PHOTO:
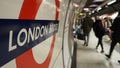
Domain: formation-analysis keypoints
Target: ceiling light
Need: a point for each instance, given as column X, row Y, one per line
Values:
column 99, row 8
column 98, row 0
column 94, row 5
column 75, row 5
column 86, row 9
column 111, row 2
column 93, row 11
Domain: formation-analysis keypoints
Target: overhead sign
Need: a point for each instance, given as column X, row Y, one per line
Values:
column 18, row 36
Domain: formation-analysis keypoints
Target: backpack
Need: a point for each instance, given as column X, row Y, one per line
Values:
column 98, row 29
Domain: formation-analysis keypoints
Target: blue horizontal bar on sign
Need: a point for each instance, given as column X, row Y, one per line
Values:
column 18, row 36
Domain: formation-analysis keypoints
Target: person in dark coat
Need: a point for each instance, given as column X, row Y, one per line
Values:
column 99, row 33
column 115, row 34
column 86, row 26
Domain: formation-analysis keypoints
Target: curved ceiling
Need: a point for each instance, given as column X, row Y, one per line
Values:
column 108, row 9
column 98, row 7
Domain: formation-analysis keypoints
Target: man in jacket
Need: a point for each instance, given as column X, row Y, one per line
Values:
column 87, row 25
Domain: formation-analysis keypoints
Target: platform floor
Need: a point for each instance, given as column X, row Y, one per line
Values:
column 89, row 57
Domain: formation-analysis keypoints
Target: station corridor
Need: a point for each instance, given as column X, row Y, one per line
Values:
column 90, row 57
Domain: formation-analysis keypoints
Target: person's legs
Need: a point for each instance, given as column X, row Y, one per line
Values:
column 113, row 43
column 84, row 40
column 87, row 39
column 98, row 43
column 102, row 49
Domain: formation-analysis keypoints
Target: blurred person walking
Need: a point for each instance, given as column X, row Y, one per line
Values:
column 86, row 26
column 115, row 35
column 99, row 31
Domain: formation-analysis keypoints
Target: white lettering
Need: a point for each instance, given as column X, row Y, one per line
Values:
column 26, row 36
column 11, row 47
column 21, row 43
column 42, row 31
column 37, row 31
column 31, row 34
column 46, row 30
